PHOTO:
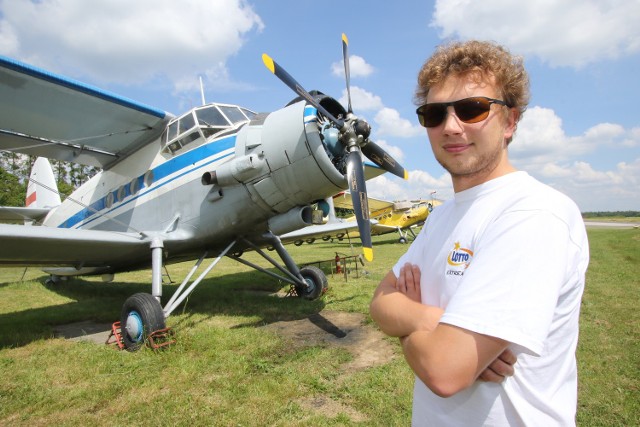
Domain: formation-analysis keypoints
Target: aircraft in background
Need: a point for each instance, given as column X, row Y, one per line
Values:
column 212, row 182
column 389, row 217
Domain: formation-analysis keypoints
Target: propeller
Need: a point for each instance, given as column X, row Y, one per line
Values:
column 347, row 74
column 354, row 137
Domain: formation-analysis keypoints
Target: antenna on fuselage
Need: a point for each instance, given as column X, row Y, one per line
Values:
column 202, row 90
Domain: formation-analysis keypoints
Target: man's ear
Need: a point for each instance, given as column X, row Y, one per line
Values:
column 511, row 123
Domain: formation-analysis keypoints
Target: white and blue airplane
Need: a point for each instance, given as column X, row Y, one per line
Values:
column 212, row 182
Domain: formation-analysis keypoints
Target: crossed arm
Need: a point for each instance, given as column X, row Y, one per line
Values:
column 446, row 358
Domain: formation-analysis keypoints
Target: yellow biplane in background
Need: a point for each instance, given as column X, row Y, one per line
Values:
column 389, row 217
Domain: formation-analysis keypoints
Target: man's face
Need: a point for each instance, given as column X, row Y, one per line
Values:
column 472, row 153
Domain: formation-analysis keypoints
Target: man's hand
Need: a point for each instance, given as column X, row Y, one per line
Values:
column 500, row 368
column 408, row 282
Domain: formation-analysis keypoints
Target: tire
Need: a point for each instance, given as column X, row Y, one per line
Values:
column 402, row 240
column 141, row 315
column 316, row 280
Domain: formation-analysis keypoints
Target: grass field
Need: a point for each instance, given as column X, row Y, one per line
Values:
column 231, row 365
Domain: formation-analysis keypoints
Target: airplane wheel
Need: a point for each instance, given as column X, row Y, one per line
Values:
column 141, row 315
column 52, row 280
column 402, row 240
column 316, row 280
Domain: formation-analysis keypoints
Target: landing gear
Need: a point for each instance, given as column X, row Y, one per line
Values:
column 141, row 315
column 402, row 240
column 316, row 283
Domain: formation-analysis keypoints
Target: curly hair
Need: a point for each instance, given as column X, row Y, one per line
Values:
column 486, row 58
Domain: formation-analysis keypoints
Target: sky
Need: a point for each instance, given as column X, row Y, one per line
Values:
column 580, row 133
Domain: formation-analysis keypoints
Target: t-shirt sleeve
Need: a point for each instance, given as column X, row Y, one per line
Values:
column 511, row 288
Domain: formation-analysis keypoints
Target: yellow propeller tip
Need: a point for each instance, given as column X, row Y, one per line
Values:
column 344, row 38
column 406, row 174
column 368, row 253
column 268, row 62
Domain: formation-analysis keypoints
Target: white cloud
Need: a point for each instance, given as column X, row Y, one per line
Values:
column 127, row 42
column 562, row 33
column 361, row 100
column 394, row 151
column 390, row 123
column 597, row 190
column 540, row 139
column 358, row 67
column 420, row 185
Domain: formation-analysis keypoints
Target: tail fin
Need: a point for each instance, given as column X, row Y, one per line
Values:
column 42, row 190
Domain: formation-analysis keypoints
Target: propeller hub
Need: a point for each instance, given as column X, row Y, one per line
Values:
column 362, row 128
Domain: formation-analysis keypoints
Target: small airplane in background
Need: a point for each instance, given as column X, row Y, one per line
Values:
column 212, row 182
column 388, row 217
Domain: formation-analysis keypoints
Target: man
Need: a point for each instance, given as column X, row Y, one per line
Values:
column 496, row 274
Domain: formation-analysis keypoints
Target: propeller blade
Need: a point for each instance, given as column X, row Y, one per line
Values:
column 357, row 187
column 377, row 155
column 295, row 86
column 347, row 74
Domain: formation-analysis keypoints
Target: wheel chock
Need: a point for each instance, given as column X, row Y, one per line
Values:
column 161, row 338
column 155, row 340
column 115, row 337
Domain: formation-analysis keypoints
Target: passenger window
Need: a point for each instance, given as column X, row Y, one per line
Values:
column 122, row 193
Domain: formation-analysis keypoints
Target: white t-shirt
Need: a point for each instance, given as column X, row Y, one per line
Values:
column 507, row 259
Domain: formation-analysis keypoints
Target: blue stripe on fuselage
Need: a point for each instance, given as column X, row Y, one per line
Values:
column 179, row 164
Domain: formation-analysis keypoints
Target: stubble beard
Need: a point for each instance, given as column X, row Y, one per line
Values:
column 474, row 167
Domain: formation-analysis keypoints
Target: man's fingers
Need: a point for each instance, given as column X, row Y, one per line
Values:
column 401, row 285
column 502, row 368
column 489, row 376
column 508, row 357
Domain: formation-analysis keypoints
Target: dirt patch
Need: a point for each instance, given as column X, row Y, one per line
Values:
column 367, row 345
column 348, row 330
column 331, row 409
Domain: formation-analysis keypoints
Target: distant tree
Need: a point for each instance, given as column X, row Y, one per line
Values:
column 623, row 214
column 12, row 191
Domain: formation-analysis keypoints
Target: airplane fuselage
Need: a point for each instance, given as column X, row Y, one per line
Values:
column 256, row 175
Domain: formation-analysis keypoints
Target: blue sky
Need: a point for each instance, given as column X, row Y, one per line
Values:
column 580, row 134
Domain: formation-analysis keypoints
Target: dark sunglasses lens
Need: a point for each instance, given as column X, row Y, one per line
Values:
column 431, row 115
column 472, row 110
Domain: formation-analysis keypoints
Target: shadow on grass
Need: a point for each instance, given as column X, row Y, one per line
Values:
column 237, row 294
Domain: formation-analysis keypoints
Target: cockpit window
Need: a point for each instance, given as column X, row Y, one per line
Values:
column 186, row 123
column 233, row 113
column 210, row 116
column 199, row 125
column 173, row 130
column 249, row 114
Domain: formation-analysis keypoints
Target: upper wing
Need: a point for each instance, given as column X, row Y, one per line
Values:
column 43, row 114
column 343, row 200
column 32, row 245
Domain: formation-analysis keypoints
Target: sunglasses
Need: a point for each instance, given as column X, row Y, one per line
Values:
column 469, row 110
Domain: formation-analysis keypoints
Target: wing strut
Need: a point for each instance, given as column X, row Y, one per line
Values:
column 179, row 295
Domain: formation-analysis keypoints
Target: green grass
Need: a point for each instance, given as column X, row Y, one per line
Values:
column 609, row 346
column 225, row 369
